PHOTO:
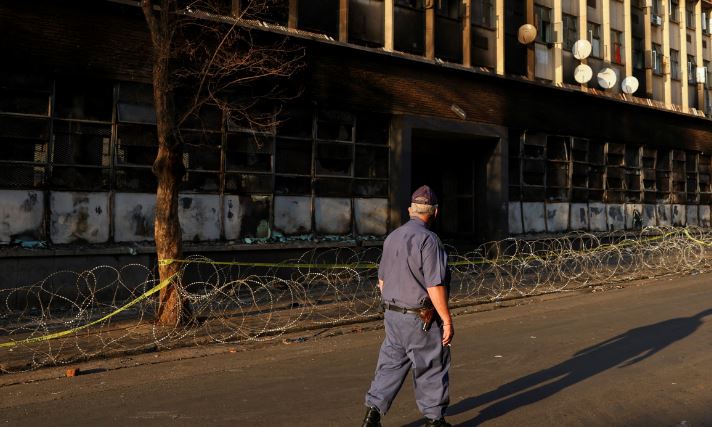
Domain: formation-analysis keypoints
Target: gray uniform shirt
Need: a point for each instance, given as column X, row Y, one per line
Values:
column 413, row 260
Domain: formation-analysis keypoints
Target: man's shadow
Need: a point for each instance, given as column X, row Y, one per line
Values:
column 623, row 350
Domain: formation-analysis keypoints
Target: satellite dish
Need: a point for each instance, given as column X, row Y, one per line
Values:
column 583, row 74
column 607, row 78
column 629, row 85
column 581, row 49
column 527, row 34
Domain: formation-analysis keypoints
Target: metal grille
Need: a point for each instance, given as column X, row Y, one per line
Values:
column 77, row 143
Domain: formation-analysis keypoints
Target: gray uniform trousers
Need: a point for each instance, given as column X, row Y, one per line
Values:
column 407, row 345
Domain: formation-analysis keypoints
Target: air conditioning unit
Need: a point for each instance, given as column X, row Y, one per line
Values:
column 701, row 74
column 656, row 20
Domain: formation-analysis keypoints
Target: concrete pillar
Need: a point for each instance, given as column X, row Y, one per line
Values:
column 531, row 58
column 685, row 99
column 667, row 65
column 467, row 33
column 430, row 29
column 344, row 21
column 500, row 36
column 583, row 26
column 698, row 53
column 293, row 12
column 627, row 38
column 606, row 28
column 558, row 45
column 648, row 46
column 388, row 27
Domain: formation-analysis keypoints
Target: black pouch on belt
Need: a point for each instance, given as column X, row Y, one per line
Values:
column 427, row 314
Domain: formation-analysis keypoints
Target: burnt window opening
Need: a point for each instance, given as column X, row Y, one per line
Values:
column 533, row 159
column 678, row 181
column 372, row 129
column 692, row 186
column 24, row 94
column 292, row 185
column 558, row 150
column 81, row 156
column 515, row 178
column 293, row 156
column 84, row 99
column 135, row 104
column 366, row 22
column 409, row 22
column 633, row 174
column 448, row 30
column 615, row 173
column 319, row 16
column 197, row 181
column 78, row 143
column 295, row 123
column 663, row 171
column 136, row 145
column 246, row 183
column 371, row 162
column 334, row 159
column 249, row 152
column 136, row 179
column 370, row 188
column 201, row 150
column 255, row 215
column 335, row 126
column 703, row 176
column 333, row 187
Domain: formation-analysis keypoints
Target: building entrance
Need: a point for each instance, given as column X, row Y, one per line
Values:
column 455, row 166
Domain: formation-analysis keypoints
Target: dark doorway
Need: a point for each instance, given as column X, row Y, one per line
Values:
column 455, row 166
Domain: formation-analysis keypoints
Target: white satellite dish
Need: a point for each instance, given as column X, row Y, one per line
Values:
column 581, row 49
column 583, row 73
column 629, row 85
column 607, row 78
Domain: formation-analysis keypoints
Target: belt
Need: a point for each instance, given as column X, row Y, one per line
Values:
column 400, row 309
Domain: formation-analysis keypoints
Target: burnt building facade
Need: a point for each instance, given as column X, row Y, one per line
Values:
column 396, row 93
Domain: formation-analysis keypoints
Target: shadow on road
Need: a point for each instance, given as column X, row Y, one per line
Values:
column 623, row 350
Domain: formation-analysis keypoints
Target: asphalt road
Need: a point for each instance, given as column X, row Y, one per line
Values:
column 638, row 356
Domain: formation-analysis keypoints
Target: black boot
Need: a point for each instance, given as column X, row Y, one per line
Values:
column 437, row 423
column 373, row 418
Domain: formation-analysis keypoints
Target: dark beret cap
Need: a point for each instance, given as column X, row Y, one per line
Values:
column 424, row 196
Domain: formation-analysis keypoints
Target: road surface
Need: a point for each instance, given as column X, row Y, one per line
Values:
column 637, row 356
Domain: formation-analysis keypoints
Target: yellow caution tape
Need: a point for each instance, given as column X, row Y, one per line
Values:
column 55, row 335
column 357, row 265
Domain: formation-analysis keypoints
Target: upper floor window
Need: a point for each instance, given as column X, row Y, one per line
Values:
column 657, row 59
column 691, row 69
column 542, row 16
column 617, row 52
column 594, row 36
column 674, row 9
column 570, row 31
column 483, row 13
column 674, row 64
column 638, row 62
column 690, row 14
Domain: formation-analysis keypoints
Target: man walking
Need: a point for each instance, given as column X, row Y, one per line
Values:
column 413, row 279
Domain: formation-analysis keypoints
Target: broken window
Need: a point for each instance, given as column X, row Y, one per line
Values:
column 370, row 188
column 692, row 187
column 80, row 155
column 703, row 176
column 249, row 152
column 84, row 99
column 448, row 30
column 135, row 104
column 515, row 178
column 293, row 156
column 335, row 187
column 678, row 180
column 135, row 152
column 579, row 170
column 409, row 22
column 246, row 183
column 615, row 173
column 292, row 185
column 533, row 167
column 557, row 170
column 371, row 162
column 320, row 16
column 366, row 21
column 334, row 159
column 24, row 94
column 201, row 150
column 595, row 171
column 335, row 126
column 632, row 173
column 648, row 156
column 255, row 215
column 662, row 174
column 23, row 151
column 296, row 123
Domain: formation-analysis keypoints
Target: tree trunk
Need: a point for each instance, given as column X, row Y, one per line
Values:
column 169, row 170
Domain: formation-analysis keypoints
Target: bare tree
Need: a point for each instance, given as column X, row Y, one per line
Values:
column 206, row 60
